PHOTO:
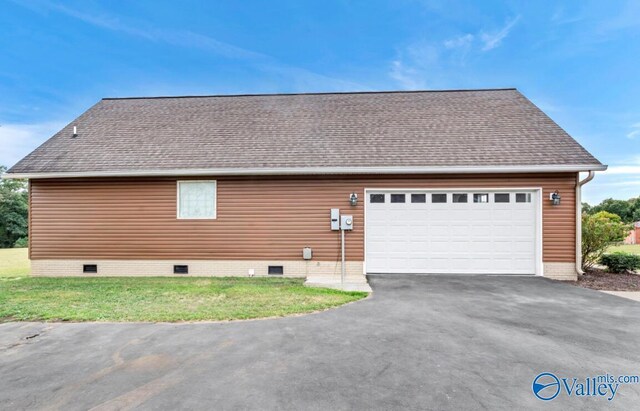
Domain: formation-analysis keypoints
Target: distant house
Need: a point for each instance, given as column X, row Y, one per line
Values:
column 634, row 235
column 437, row 182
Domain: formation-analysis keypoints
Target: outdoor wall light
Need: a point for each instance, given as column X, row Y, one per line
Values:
column 555, row 198
column 353, row 199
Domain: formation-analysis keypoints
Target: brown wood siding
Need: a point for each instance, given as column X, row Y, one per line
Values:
column 257, row 218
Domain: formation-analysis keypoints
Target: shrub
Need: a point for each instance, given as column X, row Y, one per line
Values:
column 620, row 262
column 21, row 243
column 599, row 231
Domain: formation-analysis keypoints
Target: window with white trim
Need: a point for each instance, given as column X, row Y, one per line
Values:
column 197, row 199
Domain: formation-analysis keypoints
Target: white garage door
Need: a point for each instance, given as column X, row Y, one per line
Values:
column 474, row 232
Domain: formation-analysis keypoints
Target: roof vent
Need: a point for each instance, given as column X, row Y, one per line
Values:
column 75, row 132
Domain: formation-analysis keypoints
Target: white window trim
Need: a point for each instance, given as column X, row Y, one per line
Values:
column 215, row 199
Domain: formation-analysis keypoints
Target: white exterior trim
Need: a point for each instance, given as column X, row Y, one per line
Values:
column 579, row 219
column 312, row 170
column 215, row 199
column 539, row 265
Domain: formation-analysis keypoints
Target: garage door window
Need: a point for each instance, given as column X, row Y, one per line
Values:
column 459, row 198
column 438, row 198
column 523, row 197
column 418, row 198
column 501, row 197
column 481, row 198
column 376, row 198
column 397, row 198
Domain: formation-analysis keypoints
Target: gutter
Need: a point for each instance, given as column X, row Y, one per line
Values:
column 311, row 171
column 579, row 220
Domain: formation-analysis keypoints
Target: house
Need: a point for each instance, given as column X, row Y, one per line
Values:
column 456, row 181
column 634, row 234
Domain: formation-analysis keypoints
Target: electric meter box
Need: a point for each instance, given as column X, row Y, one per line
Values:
column 335, row 219
column 346, row 222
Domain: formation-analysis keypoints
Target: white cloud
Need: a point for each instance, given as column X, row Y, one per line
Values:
column 623, row 169
column 626, row 183
column 416, row 65
column 635, row 131
column 625, row 17
column 604, row 187
column 187, row 39
column 183, row 38
column 462, row 41
column 629, row 166
column 437, row 62
column 559, row 17
column 492, row 40
column 18, row 140
column 409, row 78
column 619, row 181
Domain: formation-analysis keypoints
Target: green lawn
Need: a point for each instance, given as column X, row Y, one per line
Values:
column 152, row 299
column 160, row 298
column 14, row 262
column 628, row 248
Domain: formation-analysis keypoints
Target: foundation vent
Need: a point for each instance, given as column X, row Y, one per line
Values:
column 276, row 270
column 181, row 269
column 90, row 268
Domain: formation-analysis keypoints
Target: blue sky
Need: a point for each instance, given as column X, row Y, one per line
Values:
column 577, row 60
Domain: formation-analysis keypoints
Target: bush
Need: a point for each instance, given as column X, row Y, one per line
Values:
column 599, row 231
column 620, row 262
column 22, row 242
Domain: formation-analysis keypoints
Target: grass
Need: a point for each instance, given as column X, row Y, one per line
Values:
column 153, row 299
column 161, row 298
column 627, row 248
column 14, row 262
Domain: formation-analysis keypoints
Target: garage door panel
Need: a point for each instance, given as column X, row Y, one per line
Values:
column 437, row 247
column 451, row 237
column 458, row 230
column 444, row 214
column 479, row 232
column 484, row 246
column 479, row 215
column 501, row 264
column 521, row 247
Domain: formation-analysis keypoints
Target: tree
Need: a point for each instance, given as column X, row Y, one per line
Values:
column 635, row 207
column 628, row 210
column 599, row 231
column 621, row 208
column 13, row 211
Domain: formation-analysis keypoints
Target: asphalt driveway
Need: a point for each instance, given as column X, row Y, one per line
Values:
column 420, row 342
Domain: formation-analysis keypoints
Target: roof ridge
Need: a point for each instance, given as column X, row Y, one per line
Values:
column 310, row 93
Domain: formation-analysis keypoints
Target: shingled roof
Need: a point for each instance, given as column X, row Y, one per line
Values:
column 310, row 133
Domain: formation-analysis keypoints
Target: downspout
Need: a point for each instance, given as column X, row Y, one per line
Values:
column 579, row 220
